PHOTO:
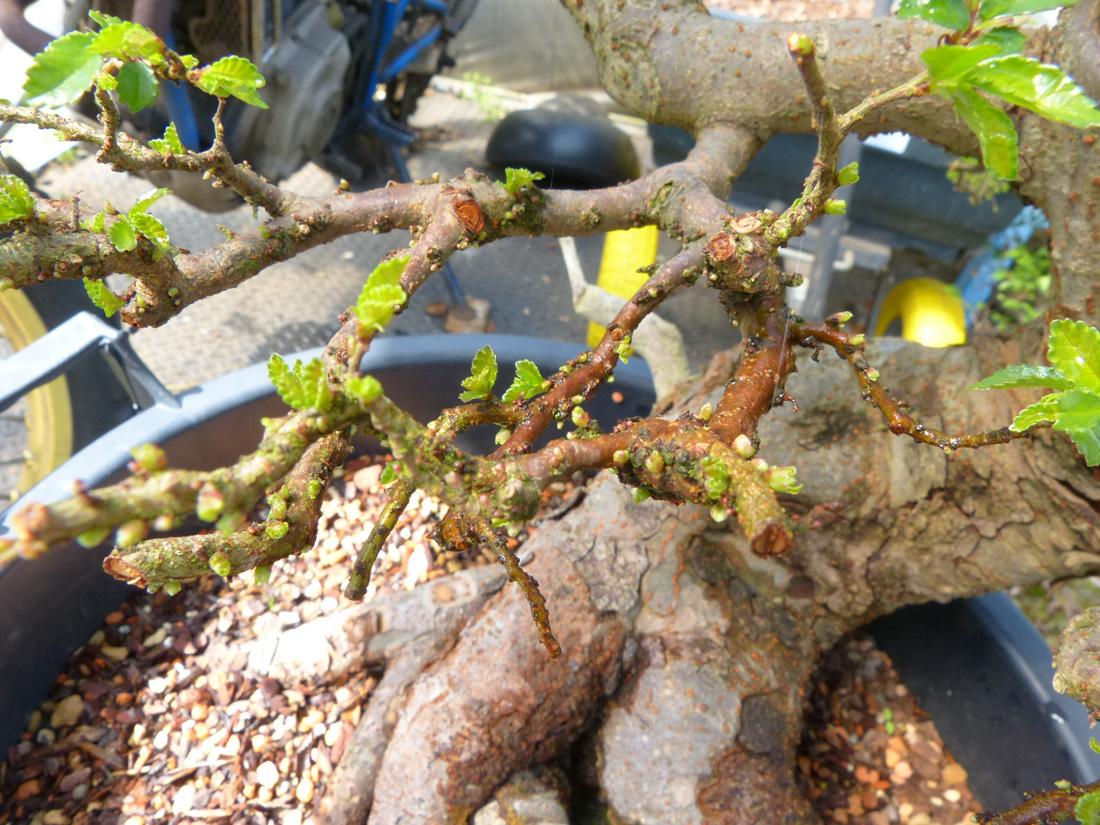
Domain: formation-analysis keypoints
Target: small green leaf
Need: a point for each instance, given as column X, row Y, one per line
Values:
column 102, row 297
column 483, row 374
column 1009, row 8
column 171, row 144
column 96, row 223
column 528, row 383
column 1074, row 350
column 122, row 234
column 137, row 86
column 220, row 564
column 995, row 130
column 1040, row 87
column 1043, row 410
column 104, row 20
column 365, row 388
column 143, row 203
column 64, row 71
column 154, row 230
column 1079, row 417
column 302, row 387
column 380, row 297
column 128, row 41
column 1063, row 784
column 951, row 14
column 1087, row 810
column 1094, row 745
column 389, row 474
column 716, row 477
column 1007, row 40
column 949, row 63
column 1022, row 375
column 848, row 175
column 16, row 201
column 784, row 480
column 231, row 77
column 516, row 179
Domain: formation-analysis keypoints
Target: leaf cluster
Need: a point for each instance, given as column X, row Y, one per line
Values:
column 983, row 56
column 527, row 384
column 381, row 296
column 1074, row 407
column 303, row 386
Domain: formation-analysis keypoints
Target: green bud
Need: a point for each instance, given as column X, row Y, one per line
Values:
column 262, row 574
column 172, row 588
column 576, row 400
column 581, row 419
column 264, row 231
column 744, row 447
column 848, row 175
column 655, row 463
column 503, row 434
column 149, row 457
column 93, row 537
column 800, row 44
column 782, row 480
column 164, row 522
column 620, row 457
column 872, row 374
column 230, row 522
column 716, row 477
column 277, row 529
column 210, row 505
column 6, row 284
column 219, row 563
column 858, row 340
column 131, row 532
column 313, row 488
column 835, row 206
column 706, row 411
column 760, row 465
column 838, row 319
column 640, row 495
column 719, row 514
column 278, row 508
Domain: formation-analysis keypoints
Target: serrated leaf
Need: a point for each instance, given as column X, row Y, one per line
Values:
column 1045, row 409
column 516, row 179
column 96, row 223
column 528, row 383
column 154, row 230
column 1079, row 417
column 951, row 14
column 128, row 41
column 63, row 71
column 995, row 130
column 483, row 374
column 122, row 234
column 302, row 387
column 147, row 199
column 16, row 201
column 1007, row 39
column 102, row 19
column 232, row 77
column 949, row 63
column 1009, row 8
column 102, row 297
column 1022, row 375
column 1039, row 87
column 137, row 86
column 381, row 294
column 365, row 388
column 188, row 60
column 1074, row 350
column 1087, row 809
column 170, row 144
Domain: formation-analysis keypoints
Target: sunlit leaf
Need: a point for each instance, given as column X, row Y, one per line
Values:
column 1039, row 87
column 1008, row 8
column 128, row 41
column 366, row 388
column 232, row 77
column 995, row 130
column 1044, row 410
column 302, row 387
column 1087, row 810
column 381, row 296
column 1022, row 375
column 951, row 14
column 1074, row 350
column 1079, row 417
column 102, row 297
column 949, row 63
column 483, row 374
column 16, row 201
column 1008, row 40
column 516, row 179
column 154, row 231
column 137, row 86
column 147, row 199
column 528, row 383
column 122, row 234
column 63, row 71
column 170, row 144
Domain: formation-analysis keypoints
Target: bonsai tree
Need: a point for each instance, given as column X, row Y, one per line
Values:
column 699, row 577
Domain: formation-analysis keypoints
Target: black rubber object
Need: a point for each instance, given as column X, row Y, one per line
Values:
column 574, row 151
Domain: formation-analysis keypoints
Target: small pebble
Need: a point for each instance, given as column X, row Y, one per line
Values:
column 267, row 775
column 68, row 711
column 160, row 741
column 952, row 795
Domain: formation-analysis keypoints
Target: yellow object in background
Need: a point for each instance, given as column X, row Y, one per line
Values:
column 931, row 313
column 625, row 251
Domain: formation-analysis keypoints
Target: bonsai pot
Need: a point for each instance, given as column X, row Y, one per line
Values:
column 978, row 666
